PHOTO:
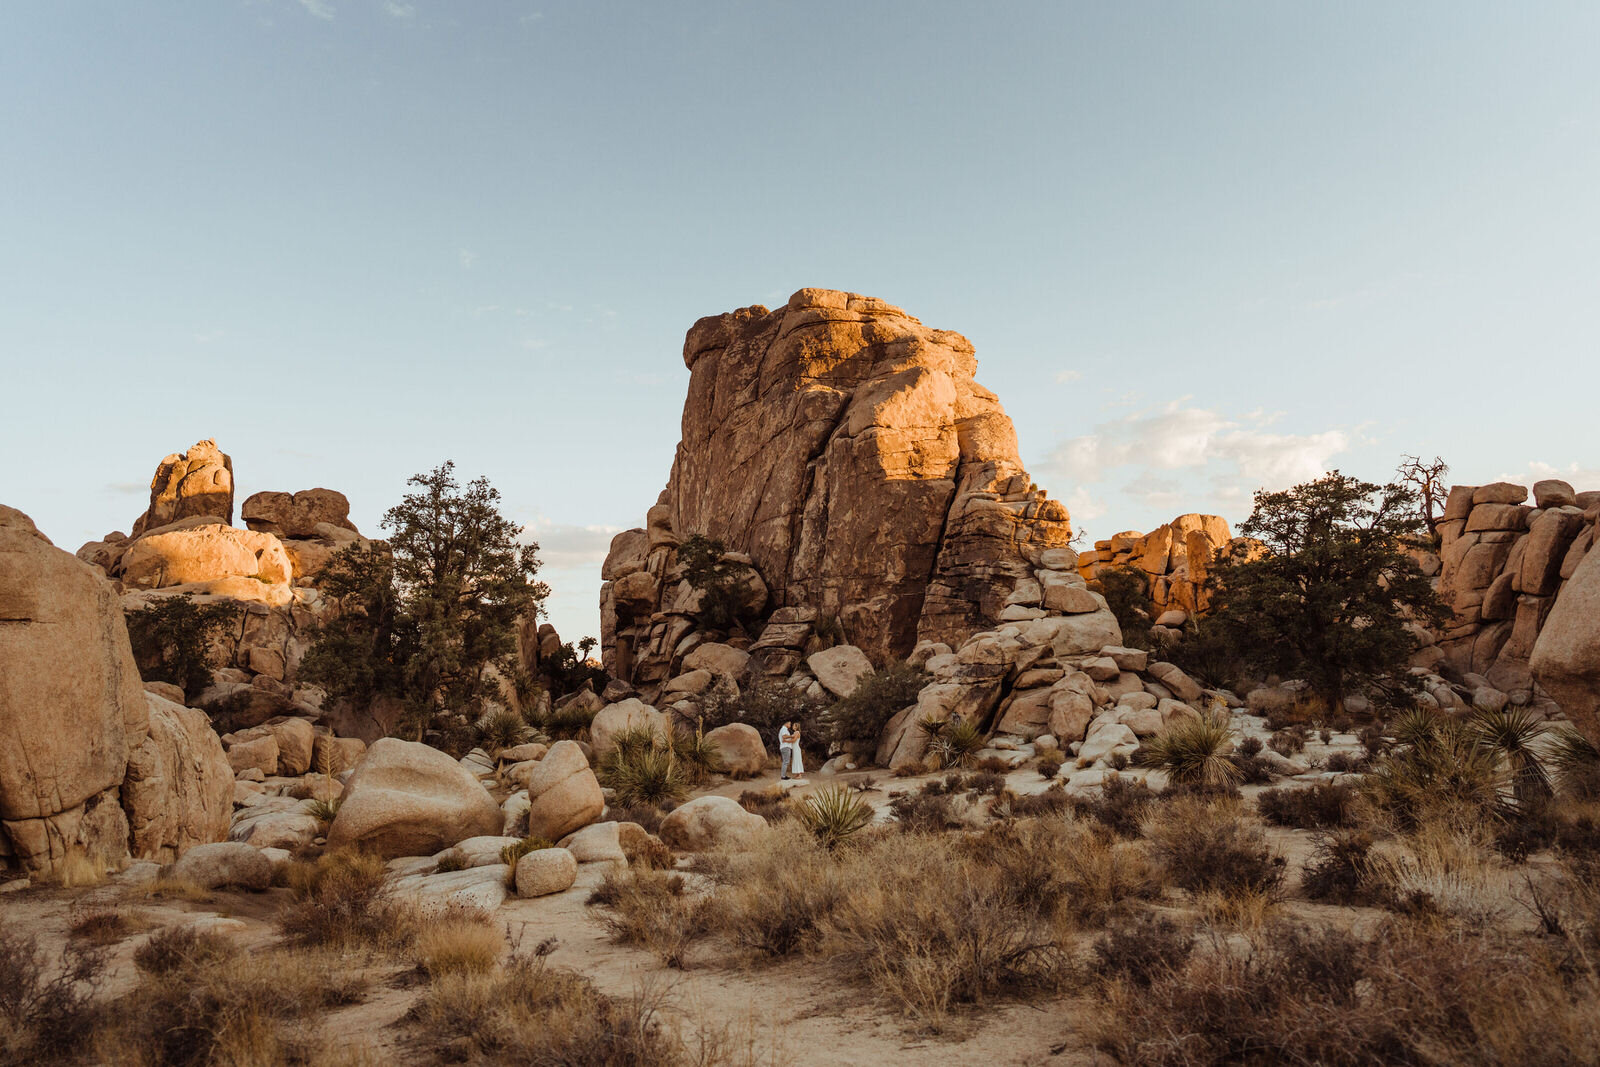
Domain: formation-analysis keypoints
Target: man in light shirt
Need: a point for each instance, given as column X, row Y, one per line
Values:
column 789, row 750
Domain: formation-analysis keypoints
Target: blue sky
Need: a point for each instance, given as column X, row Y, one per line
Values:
column 1200, row 248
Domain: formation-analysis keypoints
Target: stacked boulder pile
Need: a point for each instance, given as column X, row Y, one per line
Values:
column 1174, row 561
column 1504, row 564
column 844, row 455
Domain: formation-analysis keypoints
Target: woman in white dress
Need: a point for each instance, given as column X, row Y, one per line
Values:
column 789, row 750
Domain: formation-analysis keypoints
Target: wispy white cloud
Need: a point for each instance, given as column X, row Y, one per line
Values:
column 395, row 9
column 1580, row 478
column 563, row 545
column 322, row 9
column 467, row 257
column 1067, row 377
column 1178, row 457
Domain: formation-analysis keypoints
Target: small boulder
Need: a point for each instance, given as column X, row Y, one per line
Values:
column 616, row 719
column 840, row 669
column 223, row 863
column 407, row 799
column 740, row 747
column 546, row 871
column 712, row 822
column 595, row 843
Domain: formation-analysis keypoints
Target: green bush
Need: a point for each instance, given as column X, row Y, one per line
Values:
column 1127, row 593
column 861, row 716
column 1194, row 751
column 833, row 815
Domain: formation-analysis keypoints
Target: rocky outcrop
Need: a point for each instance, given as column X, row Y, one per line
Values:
column 297, row 514
column 199, row 482
column 88, row 760
column 843, row 452
column 1566, row 654
column 1505, row 565
column 1174, row 561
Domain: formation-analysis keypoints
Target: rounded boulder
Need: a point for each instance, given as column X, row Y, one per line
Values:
column 407, row 799
column 712, row 823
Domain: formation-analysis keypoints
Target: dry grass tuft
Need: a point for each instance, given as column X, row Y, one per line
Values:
column 653, row 909
column 343, row 899
column 470, row 943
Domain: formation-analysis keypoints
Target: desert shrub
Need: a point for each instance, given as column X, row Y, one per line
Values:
column 323, row 810
column 510, row 854
column 1141, row 949
column 771, row 803
column 1514, row 734
column 1052, row 801
column 232, row 1009
column 342, row 900
column 833, row 815
column 1249, row 746
column 640, row 770
column 1253, row 769
column 777, row 896
column 923, row 812
column 1518, row 838
column 698, row 757
column 652, row 909
column 500, row 728
column 1438, row 769
column 878, row 697
column 1339, row 870
column 564, row 721
column 172, row 639
column 47, row 1007
column 1321, row 806
column 992, row 765
column 530, row 1015
column 951, row 744
column 469, row 943
column 910, row 770
column 646, row 816
column 1121, row 806
column 1345, row 763
column 1575, row 761
column 1194, row 751
column 182, row 946
column 102, row 926
column 1207, row 845
column 986, row 783
column 1414, row 994
column 1287, row 742
column 1049, row 766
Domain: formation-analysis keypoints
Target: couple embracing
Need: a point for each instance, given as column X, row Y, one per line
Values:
column 789, row 750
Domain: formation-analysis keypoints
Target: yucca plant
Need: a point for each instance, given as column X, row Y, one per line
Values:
column 644, row 775
column 1511, row 732
column 1446, row 771
column 323, row 810
column 1414, row 726
column 953, row 744
column 514, row 852
column 500, row 728
column 833, row 815
column 698, row 757
column 1195, row 751
column 1576, row 761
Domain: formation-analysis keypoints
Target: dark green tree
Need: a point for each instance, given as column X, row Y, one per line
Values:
column 172, row 639
column 719, row 580
column 432, row 619
column 1330, row 599
column 1127, row 593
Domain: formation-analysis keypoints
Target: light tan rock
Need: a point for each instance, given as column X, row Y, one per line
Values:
column 596, row 843
column 180, row 556
column 1546, row 546
column 71, row 702
column 740, row 747
column 712, row 822
column 407, row 799
column 179, row 787
column 563, row 793
column 199, row 482
column 1496, row 493
column 1182, row 686
column 840, row 669
column 259, row 752
column 546, row 871
column 718, row 659
column 225, row 863
column 1072, row 600
column 616, row 719
column 1554, row 493
column 1566, row 654
column 1070, row 715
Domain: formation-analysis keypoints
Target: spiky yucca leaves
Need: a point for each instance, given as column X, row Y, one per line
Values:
column 698, row 757
column 1511, row 732
column 1576, row 761
column 1414, row 726
column 643, row 769
column 833, row 815
column 1195, row 751
column 500, row 728
column 1445, row 771
column 951, row 744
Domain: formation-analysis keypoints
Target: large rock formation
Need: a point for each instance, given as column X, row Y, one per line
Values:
column 1506, row 564
column 296, row 514
column 844, row 452
column 81, row 754
column 1174, row 560
column 1566, row 654
column 199, row 482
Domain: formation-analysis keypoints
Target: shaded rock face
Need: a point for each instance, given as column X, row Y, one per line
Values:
column 1566, row 654
column 199, row 482
column 296, row 514
column 88, row 760
column 844, row 450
